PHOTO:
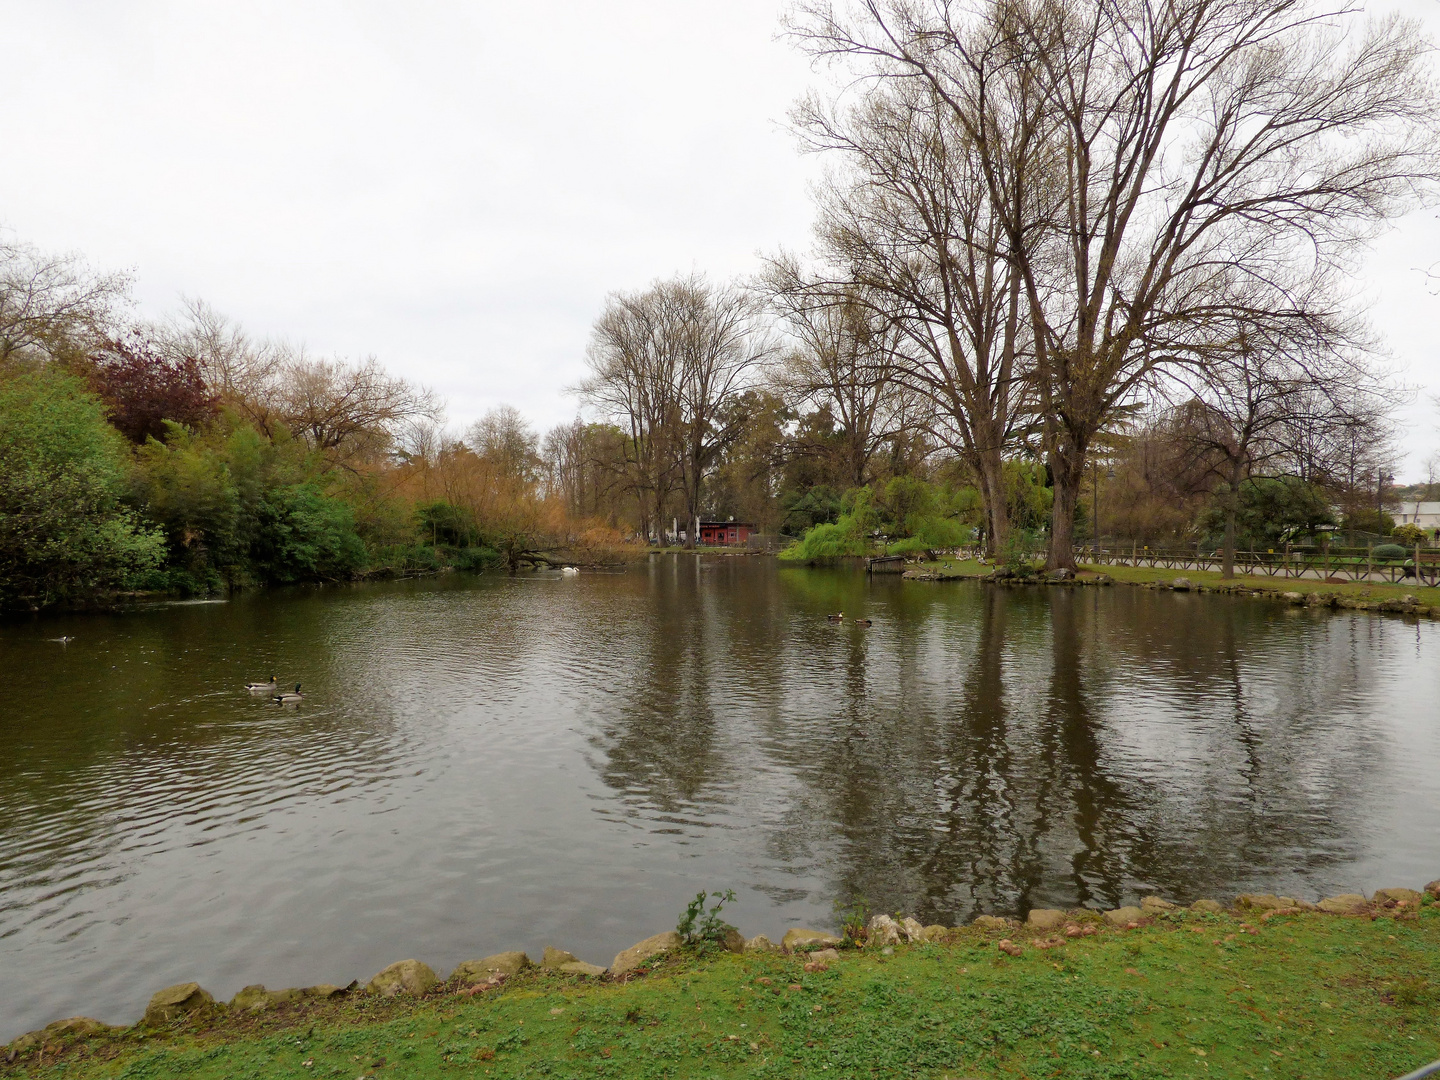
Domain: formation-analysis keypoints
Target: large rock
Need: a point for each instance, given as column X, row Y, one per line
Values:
column 1153, row 905
column 760, row 943
column 935, row 932
column 552, row 958
column 326, row 991
column 637, row 954
column 1344, row 904
column 504, row 963
column 175, row 1001
column 1409, row 896
column 1124, row 916
column 991, row 922
column 912, row 928
column 1181, row 584
column 1433, row 888
column 1212, row 906
column 734, row 940
column 78, row 1026
column 798, row 939
column 882, row 931
column 1262, row 902
column 404, row 977
column 1046, row 918
column 580, row 967
column 257, row 999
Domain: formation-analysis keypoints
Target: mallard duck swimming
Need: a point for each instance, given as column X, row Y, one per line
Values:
column 862, row 622
column 839, row 616
column 290, row 696
column 259, row 687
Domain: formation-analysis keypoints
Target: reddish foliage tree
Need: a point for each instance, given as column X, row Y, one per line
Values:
column 142, row 389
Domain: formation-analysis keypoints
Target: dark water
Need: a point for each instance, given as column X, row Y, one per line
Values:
column 492, row 763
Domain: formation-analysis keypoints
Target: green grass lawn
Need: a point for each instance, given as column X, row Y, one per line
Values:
column 1193, row 995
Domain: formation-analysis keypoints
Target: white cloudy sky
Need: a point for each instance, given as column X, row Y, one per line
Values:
column 452, row 186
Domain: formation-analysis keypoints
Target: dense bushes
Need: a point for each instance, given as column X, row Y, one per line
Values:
column 237, row 508
column 194, row 510
column 906, row 515
column 63, row 529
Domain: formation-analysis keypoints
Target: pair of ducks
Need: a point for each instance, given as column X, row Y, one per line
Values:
column 286, row 697
column 839, row 616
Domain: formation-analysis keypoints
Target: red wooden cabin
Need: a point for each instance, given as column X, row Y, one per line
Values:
column 725, row 533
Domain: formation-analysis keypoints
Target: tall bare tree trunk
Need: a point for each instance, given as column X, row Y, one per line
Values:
column 1067, row 469
column 1232, row 510
column 1227, row 566
column 992, row 491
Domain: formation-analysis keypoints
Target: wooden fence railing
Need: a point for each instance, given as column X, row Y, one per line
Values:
column 1422, row 566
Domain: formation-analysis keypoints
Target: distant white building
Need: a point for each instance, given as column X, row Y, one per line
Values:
column 1424, row 514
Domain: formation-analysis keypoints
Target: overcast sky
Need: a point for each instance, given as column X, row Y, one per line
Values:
column 453, row 187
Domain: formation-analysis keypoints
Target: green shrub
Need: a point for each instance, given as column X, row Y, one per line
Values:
column 1389, row 551
column 704, row 928
column 304, row 535
column 63, row 530
column 475, row 558
column 1017, row 554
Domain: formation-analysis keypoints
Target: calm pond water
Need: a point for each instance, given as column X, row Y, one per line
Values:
column 491, row 763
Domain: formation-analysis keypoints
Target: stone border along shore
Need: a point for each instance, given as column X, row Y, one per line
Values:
column 1045, row 928
column 1405, row 604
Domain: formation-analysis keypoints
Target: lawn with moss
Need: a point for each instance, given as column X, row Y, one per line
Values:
column 1305, row 995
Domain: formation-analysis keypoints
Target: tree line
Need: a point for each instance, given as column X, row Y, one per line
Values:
column 1053, row 233
column 1077, row 269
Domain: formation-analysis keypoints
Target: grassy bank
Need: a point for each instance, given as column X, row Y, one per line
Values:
column 1353, row 592
column 1190, row 994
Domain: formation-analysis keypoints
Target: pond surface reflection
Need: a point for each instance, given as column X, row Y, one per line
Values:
column 491, row 763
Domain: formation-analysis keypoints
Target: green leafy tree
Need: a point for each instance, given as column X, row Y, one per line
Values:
column 238, row 507
column 64, row 532
column 1273, row 510
column 305, row 535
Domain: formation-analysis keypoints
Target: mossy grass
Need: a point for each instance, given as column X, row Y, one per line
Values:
column 1304, row 995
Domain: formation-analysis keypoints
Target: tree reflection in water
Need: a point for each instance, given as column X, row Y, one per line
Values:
column 984, row 749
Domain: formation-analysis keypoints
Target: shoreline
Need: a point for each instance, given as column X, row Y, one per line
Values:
column 1416, row 600
column 187, row 1016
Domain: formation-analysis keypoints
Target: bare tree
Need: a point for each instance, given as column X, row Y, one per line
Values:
column 584, row 468
column 240, row 371
column 1291, row 376
column 504, row 439
column 668, row 364
column 54, row 307
column 909, row 219
column 844, row 361
column 348, row 411
column 1176, row 139
column 633, row 380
